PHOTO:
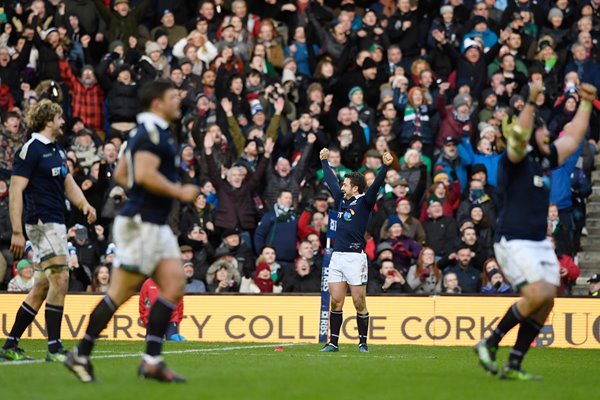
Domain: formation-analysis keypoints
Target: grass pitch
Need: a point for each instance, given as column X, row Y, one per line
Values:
column 257, row 371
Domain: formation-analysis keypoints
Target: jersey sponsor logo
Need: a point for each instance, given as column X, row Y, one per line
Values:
column 56, row 171
column 349, row 214
column 541, row 181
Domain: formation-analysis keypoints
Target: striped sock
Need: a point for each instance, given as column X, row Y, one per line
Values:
column 23, row 319
column 158, row 321
column 53, row 322
column 99, row 318
column 511, row 319
column 362, row 323
column 335, row 320
column 528, row 331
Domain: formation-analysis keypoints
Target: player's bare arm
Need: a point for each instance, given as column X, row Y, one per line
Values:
column 76, row 197
column 121, row 175
column 575, row 130
column 518, row 137
column 17, row 187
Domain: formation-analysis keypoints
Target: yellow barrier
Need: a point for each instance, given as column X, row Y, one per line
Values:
column 442, row 321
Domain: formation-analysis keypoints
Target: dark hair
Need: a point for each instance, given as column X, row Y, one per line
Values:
column 154, row 90
column 282, row 191
column 10, row 114
column 357, row 179
column 268, row 246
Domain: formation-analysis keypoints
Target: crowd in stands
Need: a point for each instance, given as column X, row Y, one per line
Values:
column 264, row 85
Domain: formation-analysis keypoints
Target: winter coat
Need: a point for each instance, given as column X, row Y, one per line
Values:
column 280, row 232
column 442, row 235
column 119, row 27
column 236, row 205
column 404, row 251
column 430, row 286
column 276, row 182
column 294, row 283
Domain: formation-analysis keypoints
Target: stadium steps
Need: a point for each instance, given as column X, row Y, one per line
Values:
column 589, row 258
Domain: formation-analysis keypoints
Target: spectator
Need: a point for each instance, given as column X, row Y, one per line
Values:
column 148, row 295
column 269, row 257
column 262, row 282
column 101, row 279
column 441, row 231
column 192, row 286
column 12, row 136
column 411, row 226
column 569, row 271
column 223, row 275
column 122, row 22
column 469, row 278
column 425, row 276
column 87, row 96
column 404, row 248
column 304, row 279
column 389, row 280
column 594, row 285
column 233, row 245
column 279, row 228
column 236, row 206
column 451, row 285
column 496, row 283
column 23, row 282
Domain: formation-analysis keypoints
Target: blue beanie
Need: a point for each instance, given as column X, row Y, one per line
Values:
column 392, row 220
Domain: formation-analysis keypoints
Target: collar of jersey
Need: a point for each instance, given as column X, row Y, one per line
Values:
column 358, row 196
column 41, row 138
column 147, row 117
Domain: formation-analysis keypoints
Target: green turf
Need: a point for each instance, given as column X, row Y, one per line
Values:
column 216, row 371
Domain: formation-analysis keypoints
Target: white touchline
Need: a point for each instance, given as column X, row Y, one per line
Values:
column 130, row 355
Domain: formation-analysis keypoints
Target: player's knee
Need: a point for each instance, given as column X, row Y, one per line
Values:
column 360, row 305
column 336, row 305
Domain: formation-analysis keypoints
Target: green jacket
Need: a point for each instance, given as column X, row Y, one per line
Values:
column 240, row 140
column 121, row 28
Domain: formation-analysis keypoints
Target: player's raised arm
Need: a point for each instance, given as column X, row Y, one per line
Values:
column 575, row 130
column 371, row 195
column 518, row 137
column 329, row 177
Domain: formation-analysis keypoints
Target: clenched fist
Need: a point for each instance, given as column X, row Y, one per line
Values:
column 324, row 154
column 388, row 158
column 587, row 92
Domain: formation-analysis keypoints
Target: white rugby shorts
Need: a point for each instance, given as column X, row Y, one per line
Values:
column 47, row 240
column 140, row 246
column 351, row 268
column 527, row 261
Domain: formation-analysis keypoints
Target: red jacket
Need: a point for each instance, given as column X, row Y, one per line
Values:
column 304, row 228
column 573, row 272
column 6, row 100
column 87, row 103
column 148, row 295
column 449, row 126
column 450, row 204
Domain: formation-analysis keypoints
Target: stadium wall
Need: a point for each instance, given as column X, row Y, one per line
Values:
column 438, row 320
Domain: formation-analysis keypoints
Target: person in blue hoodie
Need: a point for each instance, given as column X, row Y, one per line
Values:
column 560, row 191
column 484, row 155
column 279, row 228
column 300, row 51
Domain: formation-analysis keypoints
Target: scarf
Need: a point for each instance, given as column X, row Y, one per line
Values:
column 265, row 285
column 283, row 214
column 459, row 117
